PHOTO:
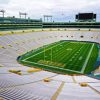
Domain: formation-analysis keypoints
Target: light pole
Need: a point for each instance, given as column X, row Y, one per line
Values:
column 3, row 12
column 22, row 14
column 47, row 18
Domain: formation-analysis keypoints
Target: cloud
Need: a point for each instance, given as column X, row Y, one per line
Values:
column 60, row 9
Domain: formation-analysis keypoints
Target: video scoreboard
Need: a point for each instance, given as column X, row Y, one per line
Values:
column 86, row 17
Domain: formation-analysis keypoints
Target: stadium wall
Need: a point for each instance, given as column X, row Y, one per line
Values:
column 5, row 26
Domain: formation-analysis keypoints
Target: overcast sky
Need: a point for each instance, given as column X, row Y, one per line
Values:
column 61, row 10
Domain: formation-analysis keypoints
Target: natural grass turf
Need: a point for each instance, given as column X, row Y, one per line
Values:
column 67, row 57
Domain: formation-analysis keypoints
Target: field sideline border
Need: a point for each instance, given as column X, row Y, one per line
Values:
column 53, row 67
column 82, row 69
column 87, row 59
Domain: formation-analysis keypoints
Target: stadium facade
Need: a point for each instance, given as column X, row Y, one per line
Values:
column 19, row 23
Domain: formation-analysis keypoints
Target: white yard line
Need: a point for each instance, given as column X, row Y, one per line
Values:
column 52, row 66
column 42, row 51
column 87, row 59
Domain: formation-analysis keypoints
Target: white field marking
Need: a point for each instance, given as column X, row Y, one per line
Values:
column 80, row 58
column 69, row 49
column 43, row 51
column 70, row 59
column 87, row 59
column 52, row 66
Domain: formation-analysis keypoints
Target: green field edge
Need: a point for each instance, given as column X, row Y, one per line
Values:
column 50, row 68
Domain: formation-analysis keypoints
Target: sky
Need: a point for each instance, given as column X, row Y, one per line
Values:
column 61, row 10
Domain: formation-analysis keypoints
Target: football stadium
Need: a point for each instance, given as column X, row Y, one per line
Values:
column 42, row 60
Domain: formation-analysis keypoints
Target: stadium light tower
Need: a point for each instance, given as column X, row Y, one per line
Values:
column 22, row 14
column 47, row 18
column 3, row 12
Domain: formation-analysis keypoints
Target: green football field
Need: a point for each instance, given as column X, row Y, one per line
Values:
column 67, row 57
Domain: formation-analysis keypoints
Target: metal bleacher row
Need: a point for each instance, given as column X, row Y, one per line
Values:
column 31, row 86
